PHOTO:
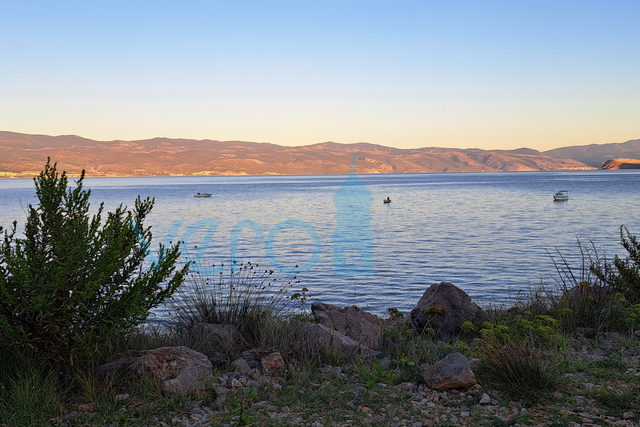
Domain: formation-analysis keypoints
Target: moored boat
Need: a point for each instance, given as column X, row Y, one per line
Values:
column 561, row 196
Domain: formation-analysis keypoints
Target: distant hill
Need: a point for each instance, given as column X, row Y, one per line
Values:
column 596, row 154
column 621, row 164
column 24, row 155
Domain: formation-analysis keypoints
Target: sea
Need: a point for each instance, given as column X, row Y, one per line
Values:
column 494, row 235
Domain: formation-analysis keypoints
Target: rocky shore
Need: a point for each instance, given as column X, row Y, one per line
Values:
column 598, row 378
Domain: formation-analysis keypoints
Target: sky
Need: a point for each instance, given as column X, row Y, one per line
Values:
column 402, row 73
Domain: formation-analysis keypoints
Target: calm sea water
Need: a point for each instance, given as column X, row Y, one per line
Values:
column 487, row 233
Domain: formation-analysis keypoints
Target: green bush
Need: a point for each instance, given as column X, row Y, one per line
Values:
column 75, row 282
column 595, row 295
column 623, row 274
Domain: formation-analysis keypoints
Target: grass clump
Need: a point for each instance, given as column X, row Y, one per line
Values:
column 246, row 296
column 519, row 370
column 29, row 393
column 616, row 401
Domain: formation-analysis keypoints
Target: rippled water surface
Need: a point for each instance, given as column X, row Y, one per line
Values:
column 488, row 233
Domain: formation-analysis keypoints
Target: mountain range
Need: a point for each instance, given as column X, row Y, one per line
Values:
column 23, row 155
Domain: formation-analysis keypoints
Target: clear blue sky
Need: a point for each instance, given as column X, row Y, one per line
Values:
column 486, row 74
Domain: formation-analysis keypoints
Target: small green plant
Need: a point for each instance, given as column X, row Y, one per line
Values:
column 301, row 299
column 395, row 334
column 373, row 374
column 245, row 399
column 618, row 401
column 468, row 328
column 74, row 282
column 632, row 317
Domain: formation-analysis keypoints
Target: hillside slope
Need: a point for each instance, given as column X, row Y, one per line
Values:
column 23, row 155
column 596, row 154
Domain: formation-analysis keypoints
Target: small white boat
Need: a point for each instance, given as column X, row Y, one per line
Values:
column 561, row 196
column 202, row 195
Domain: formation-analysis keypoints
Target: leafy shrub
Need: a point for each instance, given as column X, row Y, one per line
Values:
column 73, row 283
column 623, row 274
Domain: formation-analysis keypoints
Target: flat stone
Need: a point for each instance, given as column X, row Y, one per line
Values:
column 452, row 372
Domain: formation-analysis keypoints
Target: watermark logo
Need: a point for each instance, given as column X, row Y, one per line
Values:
column 352, row 239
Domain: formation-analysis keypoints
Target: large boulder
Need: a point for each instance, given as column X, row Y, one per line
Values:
column 351, row 321
column 454, row 371
column 321, row 336
column 177, row 370
column 444, row 307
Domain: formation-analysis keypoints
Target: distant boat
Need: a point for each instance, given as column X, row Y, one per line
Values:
column 561, row 196
column 202, row 195
column 387, row 200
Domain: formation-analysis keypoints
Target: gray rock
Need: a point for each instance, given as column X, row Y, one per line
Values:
column 351, row 321
column 254, row 354
column 218, row 358
column 322, row 336
column 451, row 372
column 443, row 307
column 241, row 366
column 178, row 370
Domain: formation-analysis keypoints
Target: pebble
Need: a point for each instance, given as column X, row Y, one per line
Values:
column 485, row 399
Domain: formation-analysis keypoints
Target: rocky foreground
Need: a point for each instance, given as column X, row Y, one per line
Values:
column 598, row 379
